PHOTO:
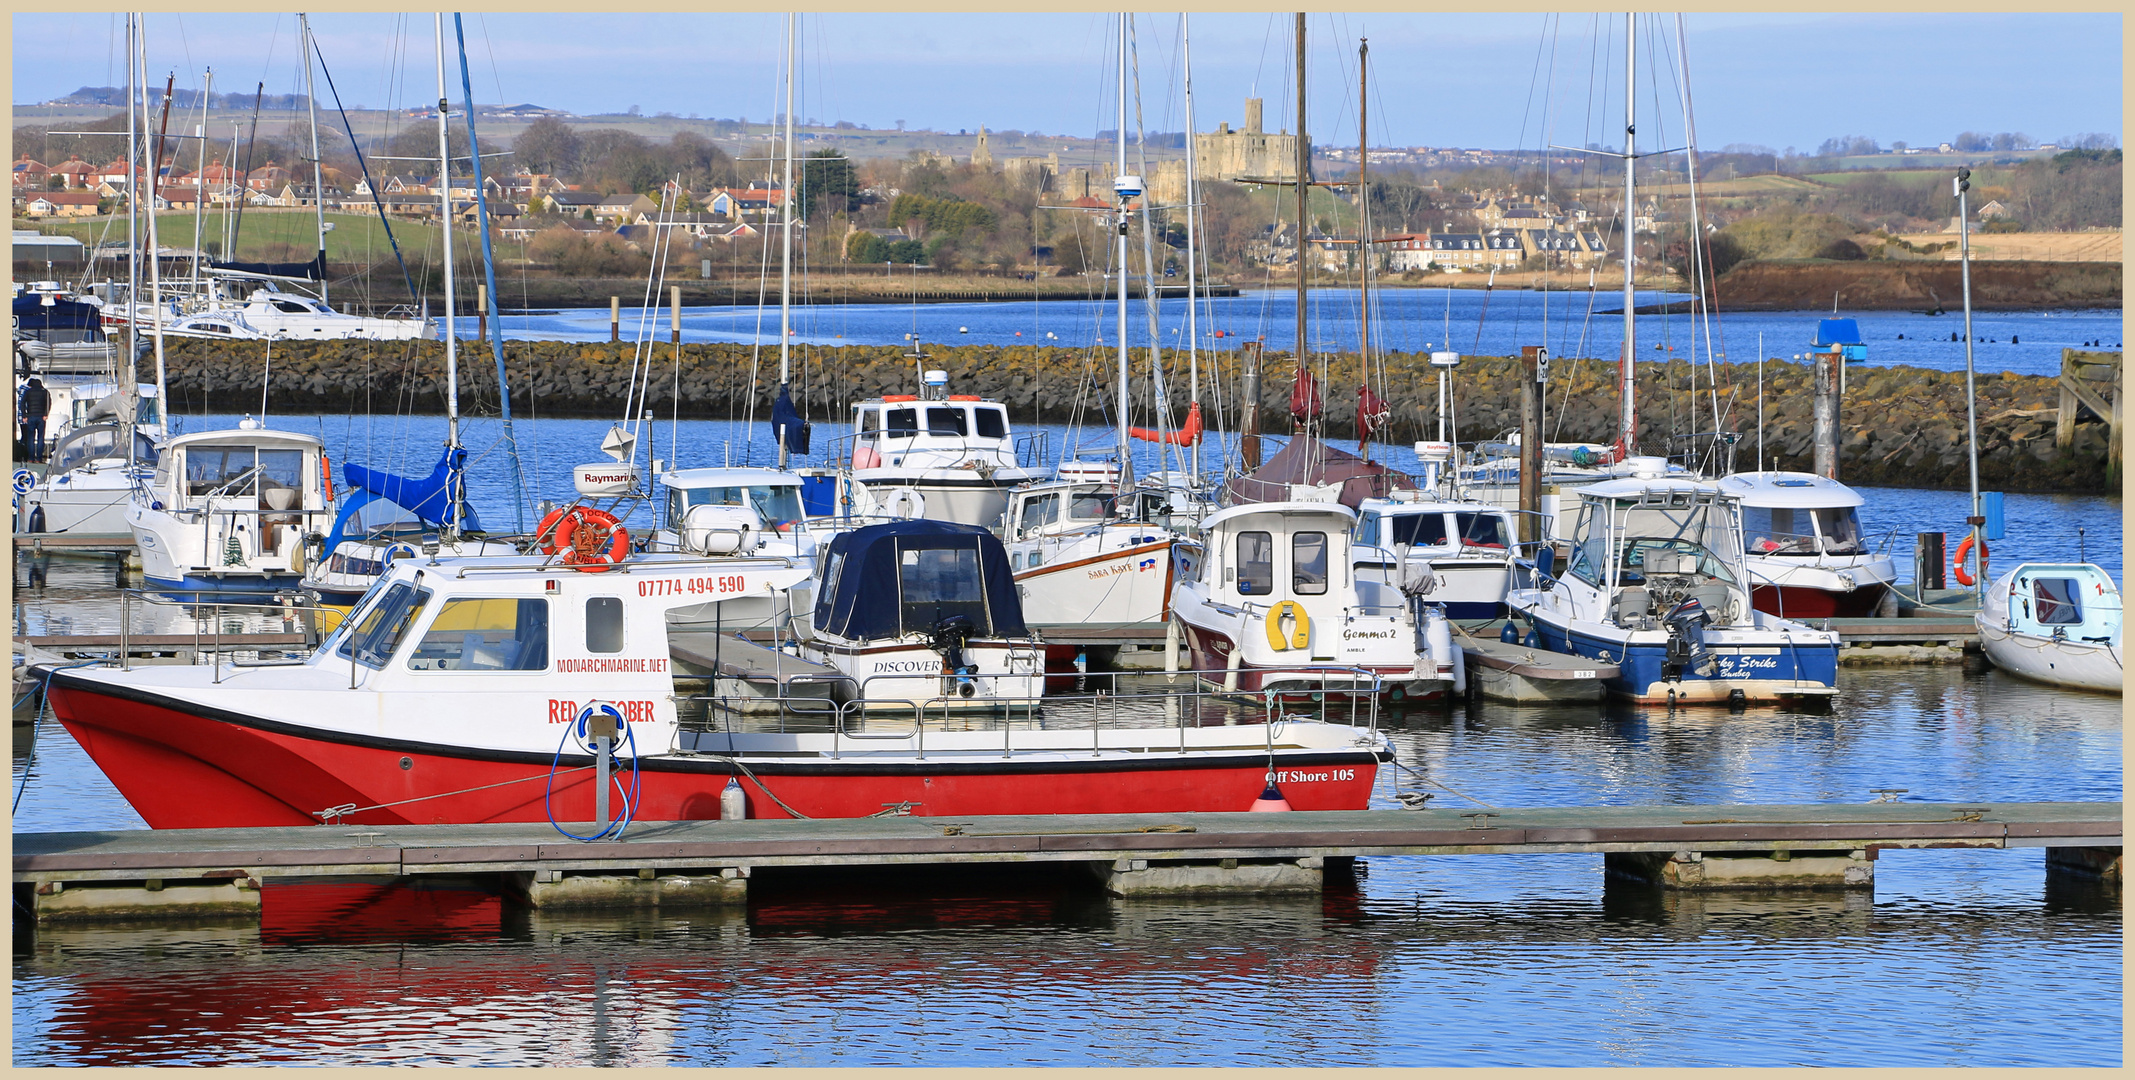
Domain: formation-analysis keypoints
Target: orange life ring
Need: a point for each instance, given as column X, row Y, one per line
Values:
column 1957, row 560
column 579, row 534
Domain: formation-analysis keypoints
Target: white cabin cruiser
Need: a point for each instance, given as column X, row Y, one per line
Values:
column 1804, row 551
column 265, row 314
column 1656, row 586
column 922, row 616
column 2055, row 623
column 1276, row 606
column 228, row 511
column 741, row 513
column 1081, row 554
column 949, row 458
column 1468, row 549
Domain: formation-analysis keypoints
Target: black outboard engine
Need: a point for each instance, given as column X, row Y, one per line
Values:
column 948, row 638
column 1686, row 624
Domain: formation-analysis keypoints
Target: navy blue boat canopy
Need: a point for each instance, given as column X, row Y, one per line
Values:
column 904, row 577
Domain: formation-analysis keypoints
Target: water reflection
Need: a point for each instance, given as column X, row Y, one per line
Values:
column 1448, row 960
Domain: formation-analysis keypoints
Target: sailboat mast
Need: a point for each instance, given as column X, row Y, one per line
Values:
column 444, row 194
column 155, row 263
column 200, row 176
column 133, row 203
column 1629, row 432
column 318, row 185
column 1364, row 246
column 785, row 265
column 1304, row 182
column 1193, row 233
column 1126, row 445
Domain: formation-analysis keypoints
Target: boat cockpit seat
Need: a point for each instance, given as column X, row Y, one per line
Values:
column 1632, row 603
column 273, row 496
column 1715, row 599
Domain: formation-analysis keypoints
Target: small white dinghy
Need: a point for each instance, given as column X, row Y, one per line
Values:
column 2056, row 623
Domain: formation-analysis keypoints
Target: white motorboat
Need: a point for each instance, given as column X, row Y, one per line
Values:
column 1468, row 550
column 228, row 511
column 1275, row 605
column 2055, row 623
column 1656, row 586
column 949, row 457
column 1804, row 553
column 264, row 314
column 922, row 616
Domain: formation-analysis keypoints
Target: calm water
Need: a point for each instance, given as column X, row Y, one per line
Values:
column 1408, row 320
column 1959, row 958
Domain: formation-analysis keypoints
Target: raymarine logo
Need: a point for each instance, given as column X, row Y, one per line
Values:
column 606, row 478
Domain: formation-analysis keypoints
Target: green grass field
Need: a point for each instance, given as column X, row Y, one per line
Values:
column 277, row 234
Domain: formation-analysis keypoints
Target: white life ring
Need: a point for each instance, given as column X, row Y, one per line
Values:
column 904, row 503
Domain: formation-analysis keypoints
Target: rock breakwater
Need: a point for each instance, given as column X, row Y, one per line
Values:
column 1900, row 426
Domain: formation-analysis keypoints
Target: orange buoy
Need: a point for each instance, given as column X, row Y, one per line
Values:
column 1957, row 559
column 588, row 539
column 1270, row 800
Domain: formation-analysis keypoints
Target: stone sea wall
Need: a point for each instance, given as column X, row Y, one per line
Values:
column 1899, row 426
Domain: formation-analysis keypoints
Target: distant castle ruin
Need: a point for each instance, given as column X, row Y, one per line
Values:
column 1248, row 155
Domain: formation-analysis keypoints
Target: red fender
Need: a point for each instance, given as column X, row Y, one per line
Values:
column 1185, row 436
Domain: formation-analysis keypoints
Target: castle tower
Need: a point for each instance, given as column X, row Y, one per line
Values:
column 980, row 155
column 1252, row 116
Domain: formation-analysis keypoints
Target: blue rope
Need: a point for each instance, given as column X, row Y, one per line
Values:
column 36, row 727
column 630, row 795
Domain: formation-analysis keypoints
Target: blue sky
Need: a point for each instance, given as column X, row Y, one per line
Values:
column 1781, row 80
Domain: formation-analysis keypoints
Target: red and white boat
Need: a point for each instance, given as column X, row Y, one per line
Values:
column 1804, row 550
column 452, row 694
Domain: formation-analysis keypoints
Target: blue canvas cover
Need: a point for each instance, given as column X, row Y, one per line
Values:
column 1831, row 332
column 429, row 498
column 76, row 320
column 883, row 581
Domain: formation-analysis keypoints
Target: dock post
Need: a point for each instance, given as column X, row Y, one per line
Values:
column 481, row 312
column 1249, row 423
column 2064, row 425
column 1826, row 406
column 1534, row 365
column 615, row 320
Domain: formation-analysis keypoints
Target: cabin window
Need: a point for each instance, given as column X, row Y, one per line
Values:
column 1087, row 506
column 1256, row 563
column 292, row 307
column 1778, row 530
column 148, row 410
column 1308, row 563
column 281, row 479
column 901, row 423
column 1481, row 530
column 1368, row 530
column 867, row 423
column 378, row 631
column 1841, row 528
column 220, row 470
column 485, row 635
column 2056, row 601
column 992, row 423
column 604, row 624
column 1039, row 511
column 946, row 421
column 935, row 584
column 1419, row 530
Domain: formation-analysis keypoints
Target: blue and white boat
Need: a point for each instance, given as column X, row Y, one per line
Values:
column 1655, row 585
column 228, row 511
column 2055, row 623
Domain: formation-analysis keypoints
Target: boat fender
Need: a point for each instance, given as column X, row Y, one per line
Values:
column 1438, row 639
column 1957, row 563
column 326, row 476
column 1301, row 633
column 1510, row 635
column 1270, row 800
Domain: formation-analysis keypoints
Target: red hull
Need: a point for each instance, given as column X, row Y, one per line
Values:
column 183, row 770
column 1795, row 602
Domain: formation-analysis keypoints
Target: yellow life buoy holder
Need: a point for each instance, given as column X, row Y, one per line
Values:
column 1300, row 635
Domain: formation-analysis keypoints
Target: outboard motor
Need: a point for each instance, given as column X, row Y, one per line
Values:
column 948, row 638
column 1686, row 624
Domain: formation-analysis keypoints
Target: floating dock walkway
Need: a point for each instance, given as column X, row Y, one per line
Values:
column 158, row 874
